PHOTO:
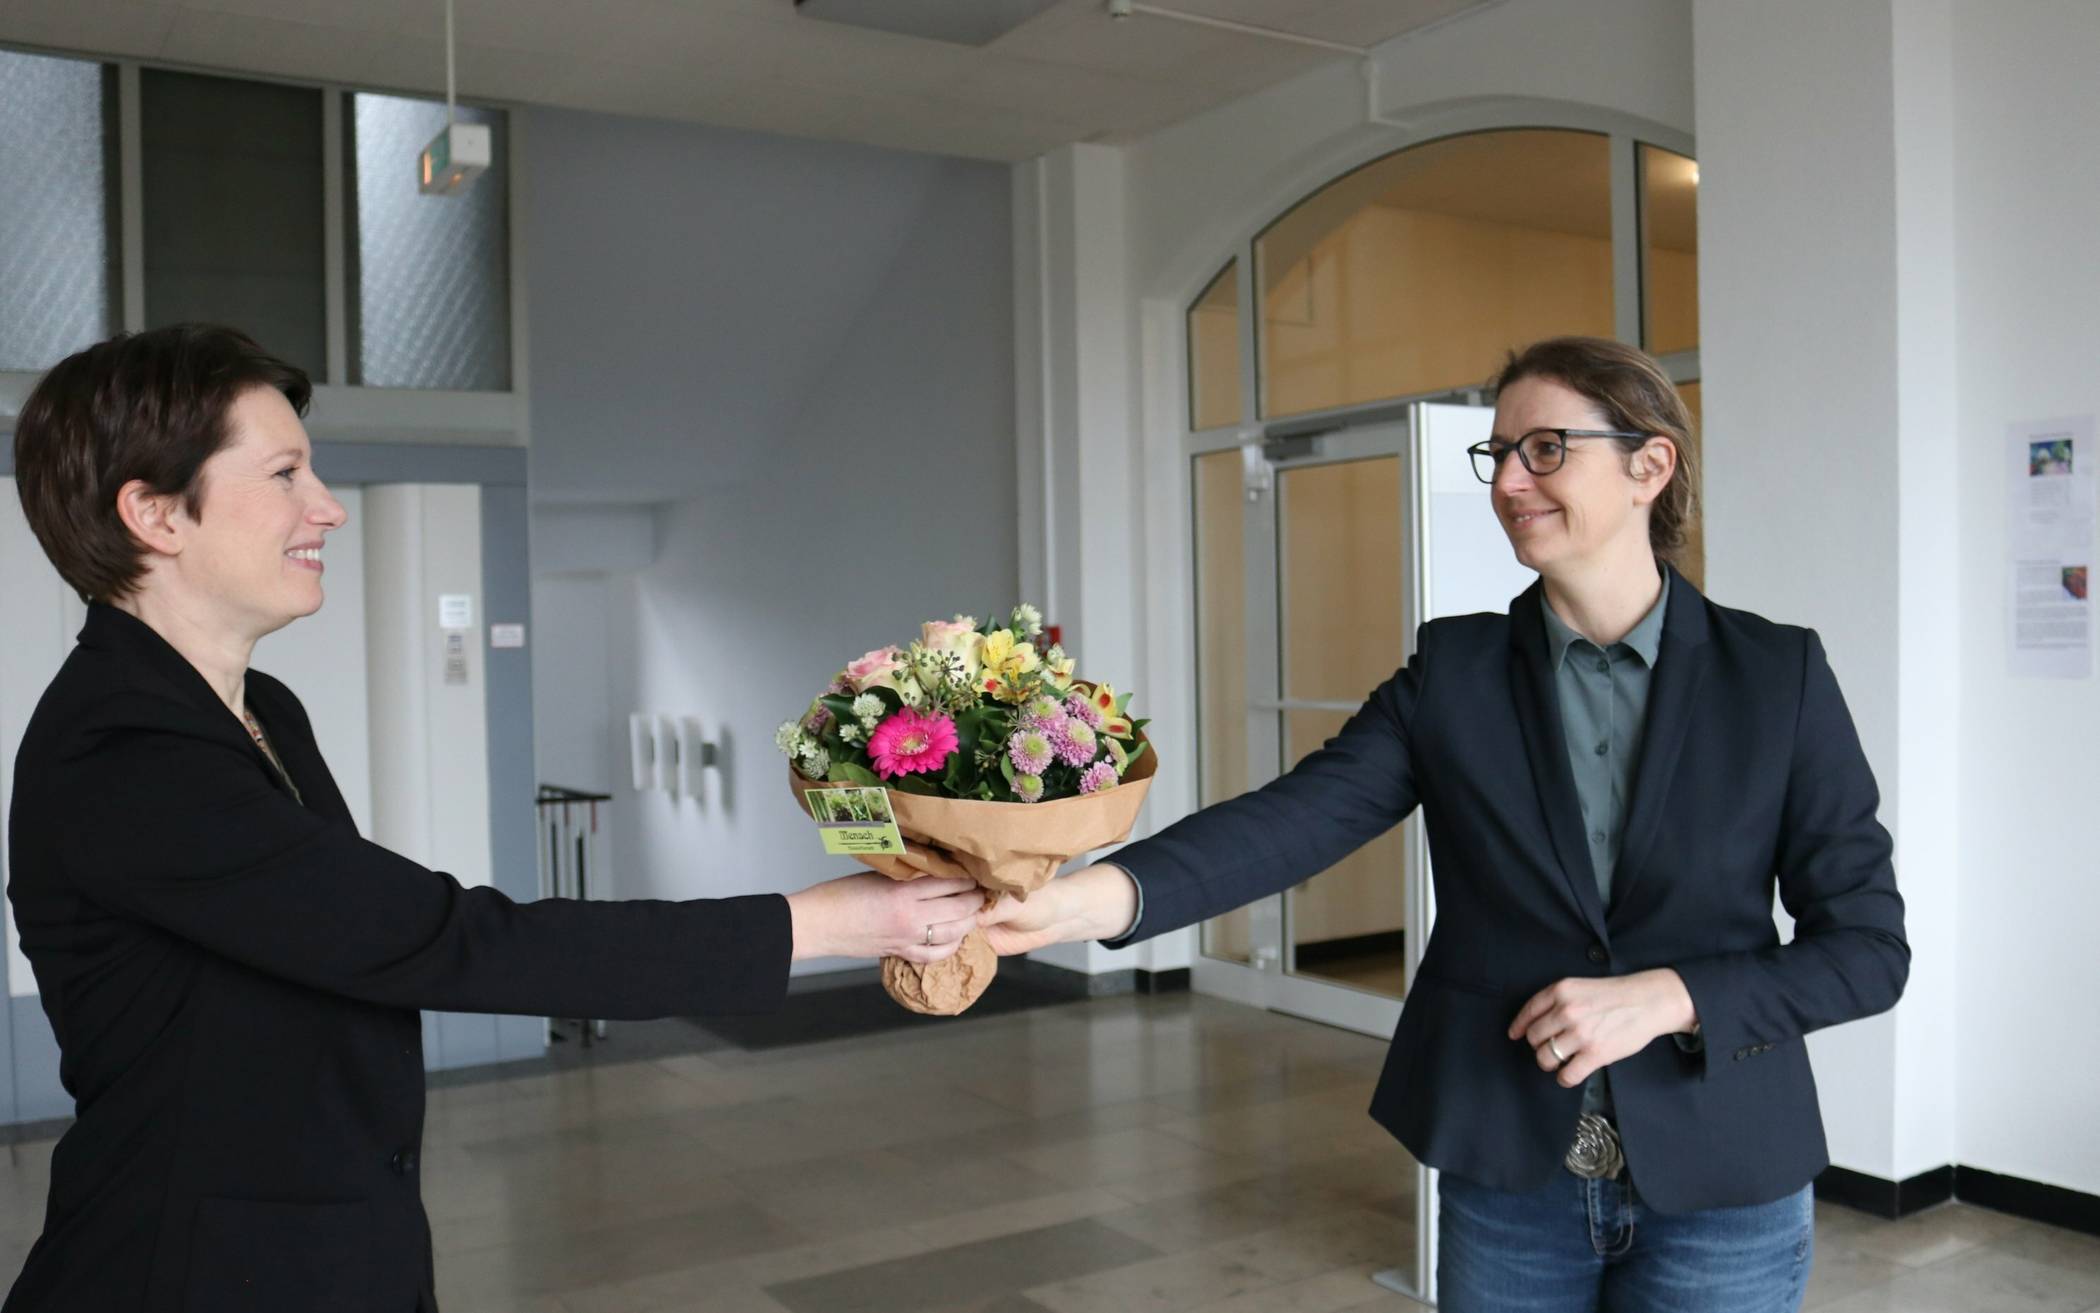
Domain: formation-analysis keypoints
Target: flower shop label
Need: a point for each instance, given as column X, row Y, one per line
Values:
column 855, row 822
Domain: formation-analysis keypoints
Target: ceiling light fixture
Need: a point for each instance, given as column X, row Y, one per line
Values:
column 463, row 151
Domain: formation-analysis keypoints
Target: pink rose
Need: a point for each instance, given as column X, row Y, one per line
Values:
column 959, row 636
column 878, row 669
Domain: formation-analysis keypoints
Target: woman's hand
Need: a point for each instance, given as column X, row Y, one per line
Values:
column 1593, row 1022
column 1099, row 902
column 870, row 915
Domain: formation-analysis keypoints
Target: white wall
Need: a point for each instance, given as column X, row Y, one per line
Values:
column 2026, row 283
column 579, row 732
column 829, row 440
column 689, row 286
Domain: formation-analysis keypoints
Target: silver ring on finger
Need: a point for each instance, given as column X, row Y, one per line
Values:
column 1558, row 1056
column 929, row 934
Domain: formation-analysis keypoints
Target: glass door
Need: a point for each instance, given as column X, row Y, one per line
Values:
column 1316, row 558
column 1304, row 548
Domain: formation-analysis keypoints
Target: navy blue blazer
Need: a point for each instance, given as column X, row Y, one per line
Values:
column 1751, row 775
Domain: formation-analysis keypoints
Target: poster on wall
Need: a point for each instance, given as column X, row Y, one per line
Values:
column 2049, row 542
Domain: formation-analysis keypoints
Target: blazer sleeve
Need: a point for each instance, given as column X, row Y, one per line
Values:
column 186, row 833
column 1848, row 957
column 1355, row 788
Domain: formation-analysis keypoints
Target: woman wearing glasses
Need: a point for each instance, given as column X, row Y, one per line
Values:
column 1602, row 1051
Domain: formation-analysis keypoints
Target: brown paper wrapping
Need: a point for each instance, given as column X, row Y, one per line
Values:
column 1010, row 848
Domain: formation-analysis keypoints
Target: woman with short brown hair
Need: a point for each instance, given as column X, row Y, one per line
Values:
column 232, row 973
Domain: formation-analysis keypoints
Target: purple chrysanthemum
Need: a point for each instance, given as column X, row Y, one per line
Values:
column 1100, row 776
column 1028, row 788
column 1076, row 742
column 1031, row 752
column 1043, row 713
column 1080, row 708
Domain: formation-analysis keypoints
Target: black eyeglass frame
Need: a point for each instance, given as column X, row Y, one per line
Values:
column 1495, row 452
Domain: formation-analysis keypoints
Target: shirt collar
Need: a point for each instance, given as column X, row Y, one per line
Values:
column 1645, row 638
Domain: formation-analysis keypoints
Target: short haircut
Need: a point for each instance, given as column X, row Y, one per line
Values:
column 152, row 406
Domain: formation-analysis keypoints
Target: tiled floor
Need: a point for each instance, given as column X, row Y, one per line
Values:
column 1124, row 1155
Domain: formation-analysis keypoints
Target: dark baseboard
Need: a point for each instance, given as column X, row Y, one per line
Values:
column 2050, row 1204
column 1325, row 951
column 1882, row 1197
column 49, row 1128
column 1172, row 981
column 2073, row 1210
column 1104, row 984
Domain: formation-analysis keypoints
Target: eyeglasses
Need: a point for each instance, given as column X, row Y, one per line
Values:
column 1540, row 450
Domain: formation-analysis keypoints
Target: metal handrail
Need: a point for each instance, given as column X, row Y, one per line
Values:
column 566, row 860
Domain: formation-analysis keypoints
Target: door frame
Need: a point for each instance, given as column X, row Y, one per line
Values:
column 1269, row 980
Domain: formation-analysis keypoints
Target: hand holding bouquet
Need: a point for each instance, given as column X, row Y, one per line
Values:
column 1000, row 766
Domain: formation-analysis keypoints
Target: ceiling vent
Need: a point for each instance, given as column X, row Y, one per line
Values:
column 958, row 22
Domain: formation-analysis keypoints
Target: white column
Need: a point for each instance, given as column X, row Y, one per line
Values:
column 430, row 785
column 1826, row 289
column 1081, row 484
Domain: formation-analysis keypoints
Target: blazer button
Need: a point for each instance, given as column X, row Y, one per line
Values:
column 1597, row 954
column 403, row 1162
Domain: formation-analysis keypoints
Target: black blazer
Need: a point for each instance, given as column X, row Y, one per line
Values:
column 1750, row 774
column 234, row 981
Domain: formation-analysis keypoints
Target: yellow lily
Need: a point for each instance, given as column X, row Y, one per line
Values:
column 1006, row 656
column 1059, row 672
column 1103, row 696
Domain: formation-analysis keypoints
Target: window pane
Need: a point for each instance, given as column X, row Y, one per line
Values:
column 1214, row 352
column 1339, row 526
column 1417, row 272
column 58, row 277
column 1221, row 662
column 430, row 275
column 232, row 209
column 1669, row 250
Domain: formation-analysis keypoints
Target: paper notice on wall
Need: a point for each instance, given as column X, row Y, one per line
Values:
column 2049, row 539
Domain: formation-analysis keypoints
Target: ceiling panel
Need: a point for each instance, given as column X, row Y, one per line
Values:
column 1069, row 74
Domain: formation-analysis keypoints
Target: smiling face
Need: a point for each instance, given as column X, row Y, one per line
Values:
column 253, row 555
column 1588, row 511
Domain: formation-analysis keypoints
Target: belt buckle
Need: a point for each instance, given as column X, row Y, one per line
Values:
column 1595, row 1154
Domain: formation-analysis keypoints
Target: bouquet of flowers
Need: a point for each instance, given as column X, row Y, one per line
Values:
column 999, row 764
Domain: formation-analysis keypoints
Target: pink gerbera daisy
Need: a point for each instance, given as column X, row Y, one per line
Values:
column 912, row 743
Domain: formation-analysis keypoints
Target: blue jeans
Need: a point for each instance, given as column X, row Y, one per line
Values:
column 1582, row 1246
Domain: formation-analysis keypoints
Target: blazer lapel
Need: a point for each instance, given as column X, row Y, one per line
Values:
column 1680, row 668
column 1538, row 714
column 300, row 754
